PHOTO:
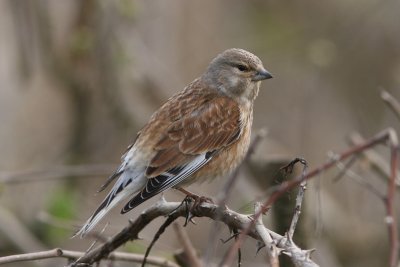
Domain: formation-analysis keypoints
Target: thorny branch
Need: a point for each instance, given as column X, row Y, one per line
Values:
column 297, row 209
column 387, row 136
column 229, row 217
column 270, row 246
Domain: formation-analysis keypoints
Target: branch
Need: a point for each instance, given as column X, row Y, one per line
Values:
column 60, row 253
column 391, row 102
column 390, row 217
column 389, row 203
column 378, row 163
column 162, row 208
column 297, row 209
column 271, row 249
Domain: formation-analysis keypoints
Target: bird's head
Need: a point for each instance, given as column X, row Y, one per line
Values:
column 237, row 73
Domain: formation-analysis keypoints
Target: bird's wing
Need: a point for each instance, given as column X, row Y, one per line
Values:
column 188, row 144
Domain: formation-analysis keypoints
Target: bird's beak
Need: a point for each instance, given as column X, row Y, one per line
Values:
column 261, row 75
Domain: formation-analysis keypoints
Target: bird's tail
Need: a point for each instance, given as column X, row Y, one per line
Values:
column 127, row 184
column 108, row 203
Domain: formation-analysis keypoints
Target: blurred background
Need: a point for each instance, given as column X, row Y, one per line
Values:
column 78, row 79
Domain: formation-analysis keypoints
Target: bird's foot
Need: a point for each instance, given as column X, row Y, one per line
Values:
column 198, row 200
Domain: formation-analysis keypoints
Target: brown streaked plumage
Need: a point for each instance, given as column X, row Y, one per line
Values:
column 200, row 133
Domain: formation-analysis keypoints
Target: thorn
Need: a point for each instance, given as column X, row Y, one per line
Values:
column 280, row 250
column 229, row 238
column 260, row 245
column 309, row 252
column 189, row 218
column 162, row 200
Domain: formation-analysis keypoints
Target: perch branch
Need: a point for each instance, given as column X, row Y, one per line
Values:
column 162, row 208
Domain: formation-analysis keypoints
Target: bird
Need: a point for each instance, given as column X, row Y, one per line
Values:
column 200, row 133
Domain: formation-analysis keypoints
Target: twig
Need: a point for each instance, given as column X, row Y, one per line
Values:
column 54, row 253
column 271, row 249
column 378, row 163
column 390, row 217
column 284, row 187
column 389, row 198
column 188, row 248
column 391, row 102
column 343, row 169
column 239, row 258
column 171, row 218
column 60, row 253
column 98, row 237
column 297, row 209
column 300, row 194
column 389, row 203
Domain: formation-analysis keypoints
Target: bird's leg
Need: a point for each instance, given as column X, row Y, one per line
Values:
column 188, row 216
column 187, row 193
column 197, row 201
column 197, row 198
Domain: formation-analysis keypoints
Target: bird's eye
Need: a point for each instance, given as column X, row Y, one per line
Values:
column 242, row 67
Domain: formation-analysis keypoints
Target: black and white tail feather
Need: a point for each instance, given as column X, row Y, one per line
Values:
column 133, row 181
